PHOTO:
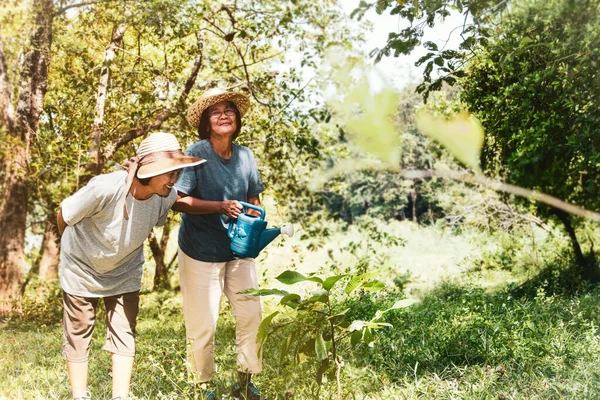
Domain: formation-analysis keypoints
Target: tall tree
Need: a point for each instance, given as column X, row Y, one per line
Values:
column 535, row 88
column 20, row 124
column 135, row 80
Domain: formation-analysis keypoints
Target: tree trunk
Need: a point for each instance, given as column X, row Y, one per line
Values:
column 48, row 264
column 116, row 41
column 588, row 270
column 413, row 197
column 21, row 127
column 161, row 273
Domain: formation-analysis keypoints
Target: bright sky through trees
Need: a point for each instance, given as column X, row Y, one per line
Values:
column 401, row 71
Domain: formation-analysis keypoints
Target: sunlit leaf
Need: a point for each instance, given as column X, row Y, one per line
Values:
column 403, row 304
column 357, row 281
column 315, row 279
column 461, row 135
column 290, row 277
column 329, row 282
column 357, row 325
column 367, row 115
column 373, row 286
column 264, row 292
column 320, row 347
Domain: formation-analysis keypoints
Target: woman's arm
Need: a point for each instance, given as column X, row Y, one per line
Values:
column 255, row 200
column 60, row 222
column 192, row 205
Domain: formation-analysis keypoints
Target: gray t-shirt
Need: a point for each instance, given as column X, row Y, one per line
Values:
column 102, row 253
column 204, row 237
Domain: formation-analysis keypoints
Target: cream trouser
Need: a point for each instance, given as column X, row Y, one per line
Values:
column 202, row 287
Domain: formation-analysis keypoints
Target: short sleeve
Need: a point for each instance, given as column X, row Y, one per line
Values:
column 255, row 185
column 188, row 179
column 86, row 202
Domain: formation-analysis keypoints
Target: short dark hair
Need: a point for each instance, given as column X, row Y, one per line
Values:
column 143, row 181
column 204, row 125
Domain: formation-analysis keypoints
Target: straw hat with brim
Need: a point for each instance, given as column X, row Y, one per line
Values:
column 212, row 97
column 160, row 153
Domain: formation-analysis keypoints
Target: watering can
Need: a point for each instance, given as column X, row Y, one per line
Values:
column 249, row 235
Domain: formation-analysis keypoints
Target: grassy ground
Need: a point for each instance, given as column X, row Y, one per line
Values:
column 462, row 341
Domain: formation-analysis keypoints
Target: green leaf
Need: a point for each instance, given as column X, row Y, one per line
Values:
column 339, row 314
column 357, row 325
column 368, row 336
column 373, row 286
column 462, row 135
column 263, row 328
column 322, row 369
column 362, row 110
column 317, row 297
column 291, row 300
column 403, row 304
column 357, row 281
column 525, row 41
column 290, row 277
column 264, row 292
column 287, row 344
column 320, row 347
column 356, row 337
column 430, row 46
column 329, row 282
column 315, row 279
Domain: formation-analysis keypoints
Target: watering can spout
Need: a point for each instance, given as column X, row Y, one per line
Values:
column 269, row 234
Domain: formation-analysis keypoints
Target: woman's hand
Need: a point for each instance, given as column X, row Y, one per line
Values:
column 231, row 208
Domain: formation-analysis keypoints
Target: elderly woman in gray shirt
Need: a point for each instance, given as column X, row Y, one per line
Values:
column 103, row 227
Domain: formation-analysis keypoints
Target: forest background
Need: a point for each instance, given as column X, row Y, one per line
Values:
column 445, row 230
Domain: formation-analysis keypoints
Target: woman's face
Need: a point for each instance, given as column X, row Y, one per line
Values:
column 163, row 183
column 222, row 119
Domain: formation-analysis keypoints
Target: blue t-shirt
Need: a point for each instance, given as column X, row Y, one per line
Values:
column 204, row 237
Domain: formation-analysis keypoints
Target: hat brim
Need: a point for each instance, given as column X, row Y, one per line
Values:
column 195, row 111
column 165, row 165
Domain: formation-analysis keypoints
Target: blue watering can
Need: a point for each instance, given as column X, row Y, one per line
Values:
column 249, row 235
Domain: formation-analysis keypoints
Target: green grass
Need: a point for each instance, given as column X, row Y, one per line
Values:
column 458, row 343
column 470, row 337
column 464, row 343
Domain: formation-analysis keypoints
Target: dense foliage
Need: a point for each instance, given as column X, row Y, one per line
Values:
column 534, row 87
column 535, row 90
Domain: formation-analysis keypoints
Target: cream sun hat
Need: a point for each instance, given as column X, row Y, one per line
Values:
column 159, row 153
column 212, row 97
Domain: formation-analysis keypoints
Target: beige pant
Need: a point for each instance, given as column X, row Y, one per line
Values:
column 79, row 321
column 202, row 287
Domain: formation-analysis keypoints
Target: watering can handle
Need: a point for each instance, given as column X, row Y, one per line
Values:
column 257, row 208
